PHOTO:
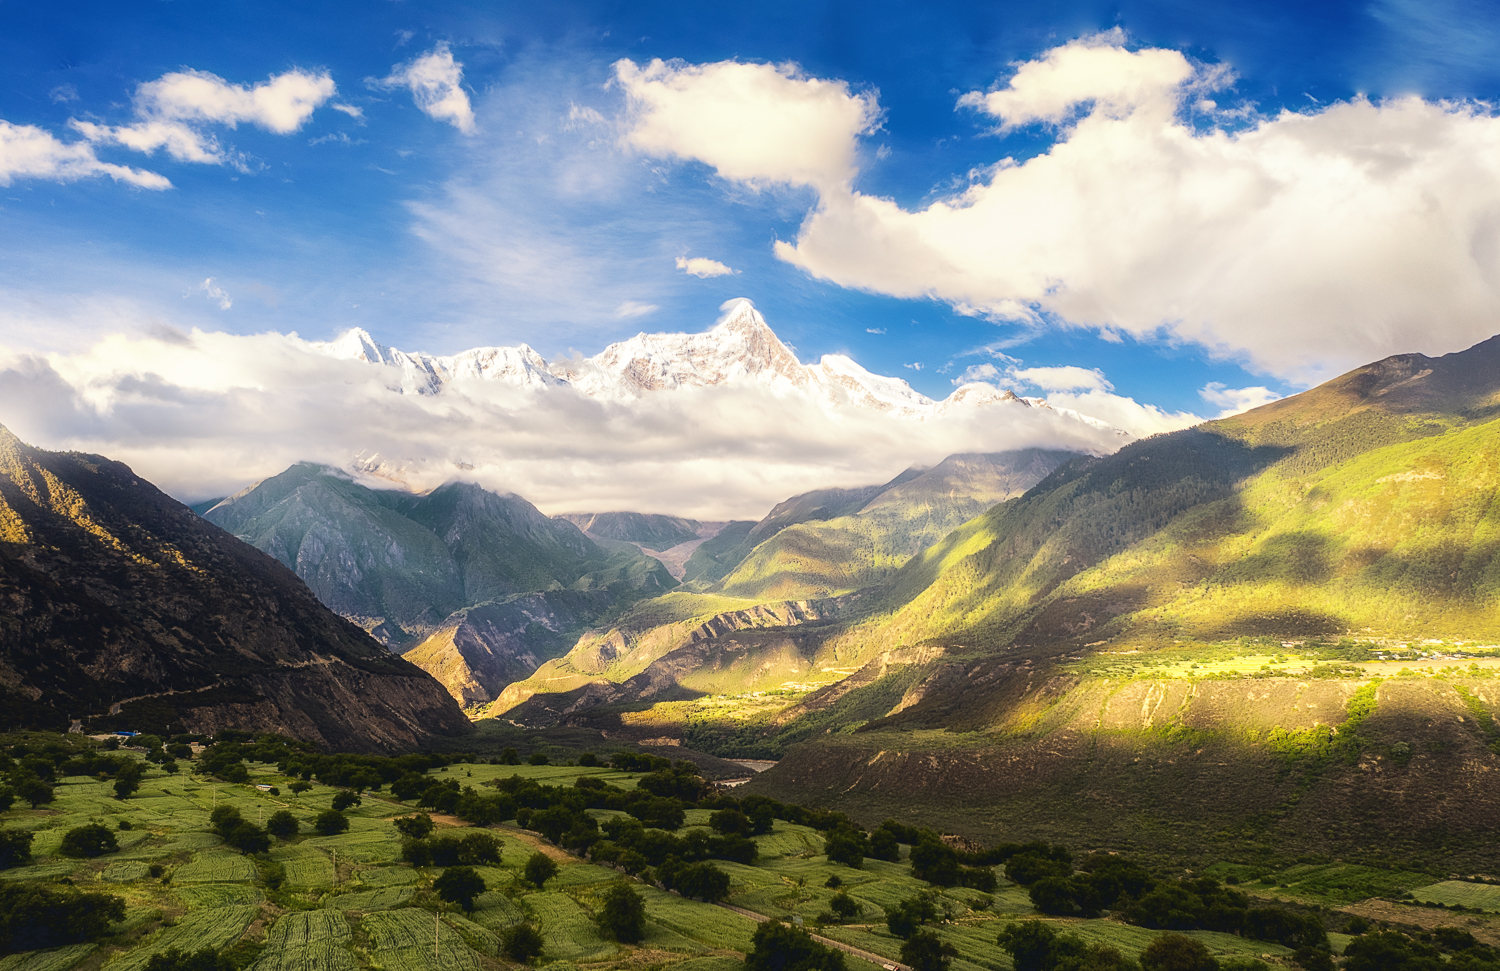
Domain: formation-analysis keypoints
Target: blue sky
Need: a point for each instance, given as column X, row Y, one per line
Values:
column 552, row 204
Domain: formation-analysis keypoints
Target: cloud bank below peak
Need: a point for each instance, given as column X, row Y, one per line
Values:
column 1300, row 243
column 205, row 413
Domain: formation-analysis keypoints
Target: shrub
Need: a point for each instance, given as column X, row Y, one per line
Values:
column 330, row 822
column 88, row 841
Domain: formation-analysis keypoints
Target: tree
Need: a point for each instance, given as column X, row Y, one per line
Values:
column 844, row 907
column 417, row 827
column 207, row 959
column 15, row 847
column 521, row 943
column 344, row 799
column 781, row 947
column 539, row 869
column 935, row 862
column 330, row 822
column 282, row 825
column 904, row 918
column 34, row 791
column 623, row 915
column 1029, row 944
column 128, row 780
column 459, row 885
column 1177, row 952
column 731, row 822
column 88, row 841
column 845, row 846
column 34, row 916
column 925, row 951
column 703, row 881
column 299, row 787
column 248, row 838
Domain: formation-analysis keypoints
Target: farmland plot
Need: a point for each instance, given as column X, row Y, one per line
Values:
column 211, row 927
column 568, row 932
column 306, row 867
column 1460, row 893
column 402, row 940
column 216, row 866
column 309, row 940
column 57, row 959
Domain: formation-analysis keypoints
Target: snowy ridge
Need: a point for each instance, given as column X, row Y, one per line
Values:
column 739, row 350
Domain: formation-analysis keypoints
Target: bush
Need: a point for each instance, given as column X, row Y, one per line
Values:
column 330, row 822
column 459, row 885
column 282, row 825
column 623, row 914
column 539, row 869
column 88, row 841
column 521, row 943
column 781, row 947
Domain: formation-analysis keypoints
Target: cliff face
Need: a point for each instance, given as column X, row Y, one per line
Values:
column 116, row 599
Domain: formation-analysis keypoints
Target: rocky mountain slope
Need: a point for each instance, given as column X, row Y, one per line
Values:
column 119, row 599
column 484, row 584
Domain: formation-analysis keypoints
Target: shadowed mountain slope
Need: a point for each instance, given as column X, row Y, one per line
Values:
column 116, row 595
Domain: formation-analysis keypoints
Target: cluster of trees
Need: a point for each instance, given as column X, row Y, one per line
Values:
column 1107, row 882
column 34, row 916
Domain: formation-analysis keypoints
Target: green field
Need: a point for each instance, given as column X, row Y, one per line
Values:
column 1461, row 893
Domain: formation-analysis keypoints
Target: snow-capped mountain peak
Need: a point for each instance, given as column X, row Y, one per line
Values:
column 740, row 349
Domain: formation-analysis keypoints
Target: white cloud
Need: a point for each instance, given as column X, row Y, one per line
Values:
column 1235, row 400
column 580, row 116
column 280, row 104
column 1066, row 378
column 635, row 308
column 353, row 111
column 216, row 293
column 914, row 365
column 760, row 124
column 1302, row 243
column 702, row 267
column 204, row 413
column 172, row 110
column 1095, row 70
column 435, row 80
column 874, row 330
column 28, row 152
column 986, row 372
column 1122, row 412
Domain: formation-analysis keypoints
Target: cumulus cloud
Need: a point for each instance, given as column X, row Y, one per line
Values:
column 1300, row 243
column 1095, row 70
column 205, row 413
column 1232, row 401
column 702, row 267
column 28, row 152
column 171, row 112
column 436, row 83
column 761, row 124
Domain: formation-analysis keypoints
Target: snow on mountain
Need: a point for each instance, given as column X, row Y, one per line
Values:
column 740, row 350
